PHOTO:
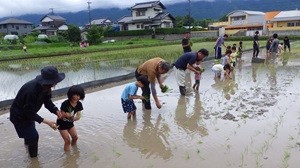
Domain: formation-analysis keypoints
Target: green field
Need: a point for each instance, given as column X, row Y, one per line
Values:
column 134, row 49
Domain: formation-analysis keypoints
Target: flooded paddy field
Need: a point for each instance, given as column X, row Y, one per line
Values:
column 250, row 121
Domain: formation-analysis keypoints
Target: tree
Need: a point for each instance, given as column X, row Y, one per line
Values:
column 223, row 18
column 73, row 34
column 184, row 21
column 94, row 34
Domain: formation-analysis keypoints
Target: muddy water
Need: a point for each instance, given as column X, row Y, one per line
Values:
column 250, row 121
column 16, row 74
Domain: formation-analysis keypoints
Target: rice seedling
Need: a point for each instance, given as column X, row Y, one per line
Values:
column 286, row 157
column 187, row 157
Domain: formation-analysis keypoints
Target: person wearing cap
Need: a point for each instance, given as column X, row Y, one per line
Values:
column 184, row 62
column 129, row 93
column 152, row 70
column 29, row 100
column 185, row 42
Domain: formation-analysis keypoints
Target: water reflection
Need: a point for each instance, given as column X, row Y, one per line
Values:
column 34, row 162
column 190, row 122
column 70, row 160
column 151, row 140
column 229, row 86
column 272, row 79
column 254, row 67
column 14, row 74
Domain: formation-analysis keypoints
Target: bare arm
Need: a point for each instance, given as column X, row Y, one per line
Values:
column 154, row 94
column 192, row 69
column 135, row 97
column 51, row 124
column 77, row 116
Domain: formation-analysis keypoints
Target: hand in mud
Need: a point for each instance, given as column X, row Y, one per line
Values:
column 158, row 105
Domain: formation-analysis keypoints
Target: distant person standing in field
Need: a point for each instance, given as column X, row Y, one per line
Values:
column 255, row 45
column 218, row 46
column 286, row 42
column 185, row 42
column 268, row 45
column 274, row 45
column 240, row 51
column 24, row 48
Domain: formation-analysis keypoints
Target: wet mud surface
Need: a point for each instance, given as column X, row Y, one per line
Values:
column 250, row 121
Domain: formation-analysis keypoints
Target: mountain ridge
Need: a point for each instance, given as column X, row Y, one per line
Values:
column 199, row 10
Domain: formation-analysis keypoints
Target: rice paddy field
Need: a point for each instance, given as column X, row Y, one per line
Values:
column 249, row 121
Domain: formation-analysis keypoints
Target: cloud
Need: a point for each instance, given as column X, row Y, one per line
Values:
column 11, row 8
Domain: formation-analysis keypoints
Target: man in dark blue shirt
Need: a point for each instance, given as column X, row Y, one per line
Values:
column 184, row 62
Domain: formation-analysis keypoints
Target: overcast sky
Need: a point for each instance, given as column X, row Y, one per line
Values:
column 12, row 8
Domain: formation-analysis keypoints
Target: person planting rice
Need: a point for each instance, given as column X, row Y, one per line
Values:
column 152, row 70
column 129, row 93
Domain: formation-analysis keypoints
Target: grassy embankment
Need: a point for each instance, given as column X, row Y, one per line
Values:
column 134, row 48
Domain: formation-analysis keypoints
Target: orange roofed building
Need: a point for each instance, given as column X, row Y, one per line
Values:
column 269, row 16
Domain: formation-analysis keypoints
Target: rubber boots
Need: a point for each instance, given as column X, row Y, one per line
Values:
column 33, row 146
column 146, row 101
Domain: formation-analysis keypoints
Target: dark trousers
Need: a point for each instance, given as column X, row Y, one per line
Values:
column 218, row 53
column 255, row 51
column 30, row 135
column 287, row 46
column 145, row 91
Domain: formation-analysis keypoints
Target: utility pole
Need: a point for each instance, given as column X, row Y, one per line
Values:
column 52, row 10
column 89, row 9
column 189, row 15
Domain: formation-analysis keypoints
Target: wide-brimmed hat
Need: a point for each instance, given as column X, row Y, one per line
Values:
column 50, row 76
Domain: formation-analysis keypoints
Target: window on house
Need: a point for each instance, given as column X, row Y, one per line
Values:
column 25, row 26
column 0, row 26
column 140, row 13
column 13, row 26
column 297, row 23
column 138, row 26
column 17, row 27
column 168, row 24
column 291, row 24
column 4, row 26
column 142, row 26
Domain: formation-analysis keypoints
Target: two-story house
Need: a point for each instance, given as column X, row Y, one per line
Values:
column 147, row 15
column 286, row 20
column 249, row 21
column 52, row 24
column 15, row 26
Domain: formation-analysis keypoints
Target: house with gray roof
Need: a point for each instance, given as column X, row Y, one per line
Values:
column 102, row 22
column 147, row 15
column 287, row 19
column 15, row 26
column 286, row 23
column 52, row 24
